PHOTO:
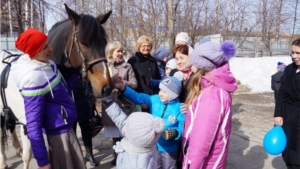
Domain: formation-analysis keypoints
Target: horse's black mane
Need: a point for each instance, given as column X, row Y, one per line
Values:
column 89, row 27
column 91, row 33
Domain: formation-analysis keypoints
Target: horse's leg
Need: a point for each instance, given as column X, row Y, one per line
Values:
column 27, row 153
column 16, row 143
column 3, row 164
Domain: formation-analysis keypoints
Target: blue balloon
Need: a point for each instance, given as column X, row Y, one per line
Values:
column 275, row 141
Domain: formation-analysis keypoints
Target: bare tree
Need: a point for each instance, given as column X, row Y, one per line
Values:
column 10, row 19
column 295, row 16
column 26, row 14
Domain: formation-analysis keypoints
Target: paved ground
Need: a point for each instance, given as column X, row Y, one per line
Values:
column 252, row 118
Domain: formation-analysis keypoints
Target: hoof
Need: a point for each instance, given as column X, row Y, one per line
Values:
column 19, row 152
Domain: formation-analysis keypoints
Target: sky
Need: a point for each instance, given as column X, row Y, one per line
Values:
column 256, row 73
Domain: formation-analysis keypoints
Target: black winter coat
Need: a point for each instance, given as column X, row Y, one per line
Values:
column 275, row 82
column 288, row 106
column 144, row 66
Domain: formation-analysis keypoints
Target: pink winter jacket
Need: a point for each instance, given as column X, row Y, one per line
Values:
column 207, row 124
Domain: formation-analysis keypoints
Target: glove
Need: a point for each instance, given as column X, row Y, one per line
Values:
column 145, row 80
column 106, row 101
column 169, row 133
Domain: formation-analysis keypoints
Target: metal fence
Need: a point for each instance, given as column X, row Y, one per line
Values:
column 246, row 50
column 8, row 43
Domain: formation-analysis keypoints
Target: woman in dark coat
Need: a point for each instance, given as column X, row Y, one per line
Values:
column 144, row 66
column 287, row 108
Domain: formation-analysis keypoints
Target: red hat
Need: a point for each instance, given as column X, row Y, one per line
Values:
column 31, row 41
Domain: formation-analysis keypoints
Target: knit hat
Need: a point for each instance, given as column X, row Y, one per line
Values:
column 31, row 41
column 171, row 64
column 211, row 55
column 280, row 66
column 179, row 75
column 143, row 129
column 183, row 36
column 161, row 53
column 172, row 86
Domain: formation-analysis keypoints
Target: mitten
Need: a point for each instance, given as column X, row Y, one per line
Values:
column 145, row 80
column 169, row 133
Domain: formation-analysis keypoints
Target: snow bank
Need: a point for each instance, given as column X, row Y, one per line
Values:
column 256, row 73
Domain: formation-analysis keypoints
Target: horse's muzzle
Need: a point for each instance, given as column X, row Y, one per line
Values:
column 106, row 91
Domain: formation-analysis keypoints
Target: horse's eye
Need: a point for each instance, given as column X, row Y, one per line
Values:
column 85, row 44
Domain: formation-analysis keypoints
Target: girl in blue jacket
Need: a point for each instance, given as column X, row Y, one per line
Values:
column 167, row 106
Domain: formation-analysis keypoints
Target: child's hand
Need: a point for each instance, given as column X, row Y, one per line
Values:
column 144, row 106
column 119, row 83
column 183, row 108
column 169, row 133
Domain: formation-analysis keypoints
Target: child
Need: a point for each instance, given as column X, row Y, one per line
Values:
column 161, row 55
column 171, row 66
column 167, row 106
column 141, row 131
column 207, row 125
column 275, row 78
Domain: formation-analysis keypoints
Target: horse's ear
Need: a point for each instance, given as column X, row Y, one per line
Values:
column 72, row 15
column 103, row 18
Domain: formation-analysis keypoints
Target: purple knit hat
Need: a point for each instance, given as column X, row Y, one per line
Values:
column 211, row 55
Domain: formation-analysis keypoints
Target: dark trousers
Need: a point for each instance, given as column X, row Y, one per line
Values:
column 291, row 166
column 166, row 160
column 86, row 130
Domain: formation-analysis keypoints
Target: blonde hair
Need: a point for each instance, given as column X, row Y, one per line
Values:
column 110, row 48
column 141, row 40
column 194, row 87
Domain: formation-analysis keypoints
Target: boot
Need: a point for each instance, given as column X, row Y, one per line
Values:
column 89, row 152
column 114, row 161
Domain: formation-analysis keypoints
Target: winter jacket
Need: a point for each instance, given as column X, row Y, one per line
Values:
column 172, row 116
column 125, row 71
column 144, row 66
column 207, row 125
column 131, row 157
column 49, row 107
column 288, row 107
column 275, row 82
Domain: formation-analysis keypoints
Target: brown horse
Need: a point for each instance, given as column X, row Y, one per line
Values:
column 79, row 42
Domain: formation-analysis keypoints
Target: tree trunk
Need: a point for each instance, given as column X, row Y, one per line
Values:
column 295, row 16
column 26, row 15
column 18, row 7
column 171, row 35
column 10, row 19
column 31, row 13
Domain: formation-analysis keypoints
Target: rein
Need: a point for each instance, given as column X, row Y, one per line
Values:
column 85, row 65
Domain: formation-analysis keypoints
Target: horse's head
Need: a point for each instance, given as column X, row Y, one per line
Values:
column 83, row 43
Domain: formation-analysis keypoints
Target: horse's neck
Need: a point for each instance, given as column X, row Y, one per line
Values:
column 58, row 38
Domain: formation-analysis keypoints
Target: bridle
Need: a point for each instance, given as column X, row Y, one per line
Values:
column 85, row 66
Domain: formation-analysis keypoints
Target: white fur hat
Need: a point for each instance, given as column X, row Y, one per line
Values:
column 143, row 129
column 183, row 36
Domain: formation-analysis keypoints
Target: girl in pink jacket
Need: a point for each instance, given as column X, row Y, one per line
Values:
column 208, row 120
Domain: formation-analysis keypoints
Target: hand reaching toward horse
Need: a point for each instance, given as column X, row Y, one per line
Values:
column 119, row 83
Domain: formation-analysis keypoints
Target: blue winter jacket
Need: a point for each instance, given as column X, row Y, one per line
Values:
column 172, row 116
column 49, row 107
